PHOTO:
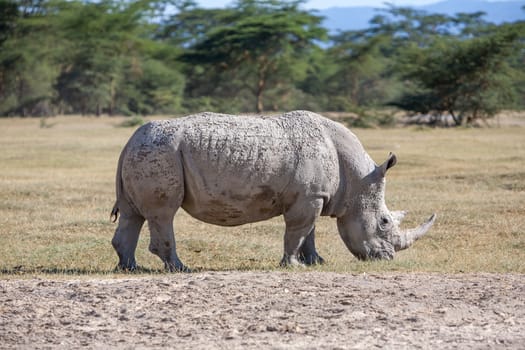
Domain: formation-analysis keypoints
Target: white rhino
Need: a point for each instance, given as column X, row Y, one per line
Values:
column 232, row 170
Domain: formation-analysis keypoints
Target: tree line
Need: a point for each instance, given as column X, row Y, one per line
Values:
column 172, row 57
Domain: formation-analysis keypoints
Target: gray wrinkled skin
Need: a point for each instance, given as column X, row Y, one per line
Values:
column 232, row 170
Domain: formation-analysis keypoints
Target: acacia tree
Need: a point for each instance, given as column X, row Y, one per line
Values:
column 111, row 64
column 100, row 37
column 365, row 60
column 27, row 57
column 259, row 46
column 361, row 66
column 84, row 57
column 467, row 79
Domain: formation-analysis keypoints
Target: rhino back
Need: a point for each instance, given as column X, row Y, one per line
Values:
column 245, row 169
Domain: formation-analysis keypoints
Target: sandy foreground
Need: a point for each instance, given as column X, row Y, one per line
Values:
column 261, row 310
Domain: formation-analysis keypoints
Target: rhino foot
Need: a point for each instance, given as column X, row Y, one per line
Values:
column 126, row 267
column 307, row 253
column 171, row 267
column 311, row 259
column 290, row 261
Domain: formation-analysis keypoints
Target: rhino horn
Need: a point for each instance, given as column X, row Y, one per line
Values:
column 405, row 238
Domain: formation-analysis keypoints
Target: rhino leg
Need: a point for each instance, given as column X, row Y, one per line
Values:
column 300, row 222
column 125, row 239
column 162, row 243
column 307, row 254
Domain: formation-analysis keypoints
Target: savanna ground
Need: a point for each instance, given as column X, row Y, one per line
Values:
column 462, row 285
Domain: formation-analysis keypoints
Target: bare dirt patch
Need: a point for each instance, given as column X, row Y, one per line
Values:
column 253, row 310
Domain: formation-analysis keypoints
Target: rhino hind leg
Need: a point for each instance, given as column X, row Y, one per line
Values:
column 126, row 238
column 308, row 254
column 162, row 243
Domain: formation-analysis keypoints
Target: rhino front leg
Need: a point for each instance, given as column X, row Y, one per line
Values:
column 293, row 240
column 126, row 238
column 162, row 244
column 307, row 254
column 300, row 222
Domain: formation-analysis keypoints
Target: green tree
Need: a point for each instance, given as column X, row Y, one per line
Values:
column 112, row 64
column 360, row 77
column 152, row 87
column 260, row 47
column 8, row 15
column 190, row 23
column 468, row 79
column 101, row 36
column 27, row 58
column 84, row 57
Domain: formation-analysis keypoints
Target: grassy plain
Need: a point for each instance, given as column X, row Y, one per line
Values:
column 57, row 189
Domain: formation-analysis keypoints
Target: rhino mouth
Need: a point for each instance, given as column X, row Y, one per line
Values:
column 380, row 255
column 385, row 251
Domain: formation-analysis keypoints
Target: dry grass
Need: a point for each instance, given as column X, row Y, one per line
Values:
column 57, row 188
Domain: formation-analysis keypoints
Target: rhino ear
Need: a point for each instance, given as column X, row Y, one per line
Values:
column 390, row 162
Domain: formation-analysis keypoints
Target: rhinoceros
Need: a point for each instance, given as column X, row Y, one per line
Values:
column 231, row 170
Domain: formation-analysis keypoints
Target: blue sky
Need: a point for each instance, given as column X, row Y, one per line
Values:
column 320, row 4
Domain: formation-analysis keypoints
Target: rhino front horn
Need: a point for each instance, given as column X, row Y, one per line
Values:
column 405, row 238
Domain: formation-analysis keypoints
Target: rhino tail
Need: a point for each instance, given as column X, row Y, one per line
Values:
column 114, row 213
column 119, row 189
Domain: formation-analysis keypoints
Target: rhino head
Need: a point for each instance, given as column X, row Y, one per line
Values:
column 369, row 230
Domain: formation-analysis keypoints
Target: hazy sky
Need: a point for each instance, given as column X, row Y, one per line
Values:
column 320, row 4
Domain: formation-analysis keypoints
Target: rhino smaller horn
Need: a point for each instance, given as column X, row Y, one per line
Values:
column 405, row 238
column 398, row 216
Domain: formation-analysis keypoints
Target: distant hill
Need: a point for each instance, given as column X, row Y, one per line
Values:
column 353, row 18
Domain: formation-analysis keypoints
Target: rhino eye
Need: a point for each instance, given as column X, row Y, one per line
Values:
column 384, row 223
